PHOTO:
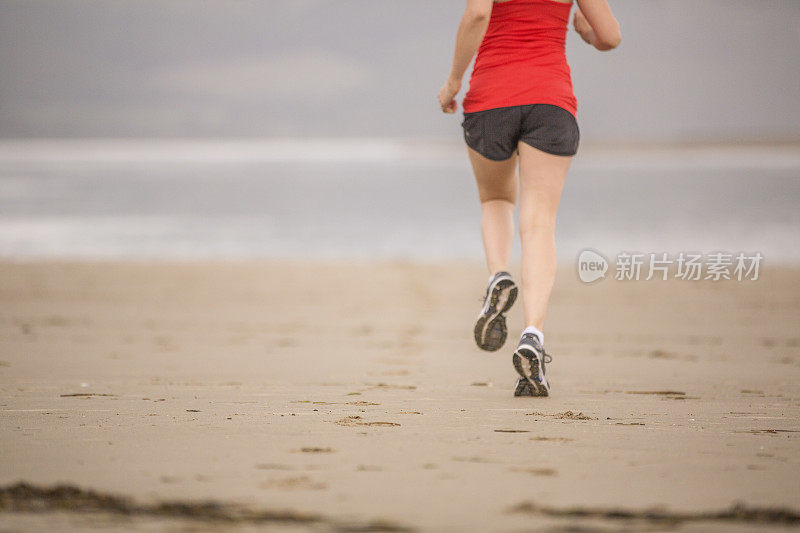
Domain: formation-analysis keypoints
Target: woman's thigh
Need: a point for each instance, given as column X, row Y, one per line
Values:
column 496, row 180
column 541, row 177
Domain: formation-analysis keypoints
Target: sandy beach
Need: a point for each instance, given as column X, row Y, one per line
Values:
column 339, row 396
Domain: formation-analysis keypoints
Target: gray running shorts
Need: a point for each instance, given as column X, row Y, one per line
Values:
column 495, row 133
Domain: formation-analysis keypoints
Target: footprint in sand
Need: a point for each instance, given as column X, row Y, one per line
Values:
column 315, row 449
column 360, row 402
column 358, row 421
column 657, row 392
column 293, row 483
column 773, row 431
column 661, row 354
column 534, row 471
column 566, row 415
column 85, row 395
column 391, row 386
column 668, row 394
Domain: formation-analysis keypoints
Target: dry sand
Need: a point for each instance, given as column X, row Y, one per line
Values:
column 336, row 396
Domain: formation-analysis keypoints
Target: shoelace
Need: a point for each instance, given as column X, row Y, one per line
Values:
column 546, row 357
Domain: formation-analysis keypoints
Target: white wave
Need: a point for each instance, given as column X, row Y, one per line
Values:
column 372, row 150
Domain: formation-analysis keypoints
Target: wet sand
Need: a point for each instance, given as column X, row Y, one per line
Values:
column 351, row 396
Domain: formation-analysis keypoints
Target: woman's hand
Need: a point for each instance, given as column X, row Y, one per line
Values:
column 596, row 25
column 583, row 27
column 447, row 95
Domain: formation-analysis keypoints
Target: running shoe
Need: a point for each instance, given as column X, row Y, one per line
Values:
column 529, row 361
column 490, row 328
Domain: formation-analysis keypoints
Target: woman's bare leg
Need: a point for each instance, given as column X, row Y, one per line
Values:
column 497, row 190
column 541, row 181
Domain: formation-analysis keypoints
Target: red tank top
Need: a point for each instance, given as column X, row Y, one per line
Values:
column 522, row 58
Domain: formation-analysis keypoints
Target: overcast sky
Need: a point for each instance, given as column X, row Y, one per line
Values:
column 686, row 70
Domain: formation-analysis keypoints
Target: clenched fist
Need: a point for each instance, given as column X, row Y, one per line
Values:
column 447, row 95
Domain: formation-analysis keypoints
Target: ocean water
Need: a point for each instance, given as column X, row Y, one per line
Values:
column 375, row 198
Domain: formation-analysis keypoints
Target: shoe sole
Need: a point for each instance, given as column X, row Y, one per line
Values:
column 527, row 366
column 524, row 388
column 490, row 329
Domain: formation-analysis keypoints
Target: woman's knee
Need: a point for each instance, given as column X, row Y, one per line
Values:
column 509, row 197
column 537, row 221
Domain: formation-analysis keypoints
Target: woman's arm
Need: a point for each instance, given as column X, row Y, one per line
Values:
column 596, row 24
column 470, row 34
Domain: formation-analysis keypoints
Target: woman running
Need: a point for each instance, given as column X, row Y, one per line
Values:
column 519, row 112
